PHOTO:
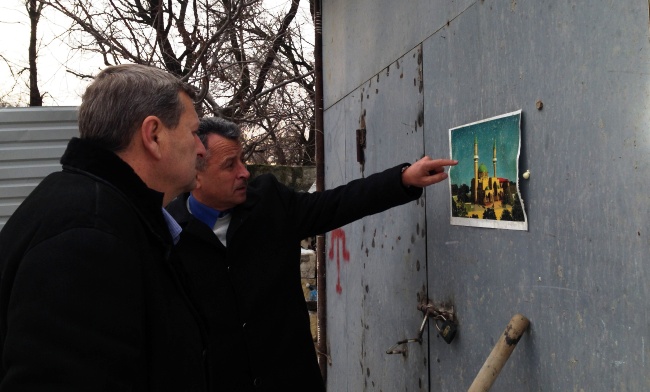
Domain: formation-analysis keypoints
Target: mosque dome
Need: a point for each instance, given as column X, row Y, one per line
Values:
column 482, row 168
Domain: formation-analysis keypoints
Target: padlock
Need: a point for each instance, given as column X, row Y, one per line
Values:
column 447, row 330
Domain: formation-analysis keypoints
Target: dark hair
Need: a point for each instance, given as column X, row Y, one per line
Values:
column 216, row 126
column 122, row 96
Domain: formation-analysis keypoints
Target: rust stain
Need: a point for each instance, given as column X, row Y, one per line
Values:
column 420, row 69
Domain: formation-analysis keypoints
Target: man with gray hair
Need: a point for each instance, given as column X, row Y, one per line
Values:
column 92, row 297
column 240, row 246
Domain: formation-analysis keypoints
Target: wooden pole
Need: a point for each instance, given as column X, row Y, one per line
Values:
column 500, row 354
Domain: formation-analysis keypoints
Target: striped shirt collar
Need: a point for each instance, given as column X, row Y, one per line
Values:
column 173, row 226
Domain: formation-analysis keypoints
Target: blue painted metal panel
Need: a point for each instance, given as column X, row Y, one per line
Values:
column 372, row 301
column 362, row 37
column 581, row 272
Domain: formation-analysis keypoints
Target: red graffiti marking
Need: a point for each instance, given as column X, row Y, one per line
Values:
column 338, row 236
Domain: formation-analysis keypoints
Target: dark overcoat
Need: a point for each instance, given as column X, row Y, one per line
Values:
column 250, row 292
column 91, row 298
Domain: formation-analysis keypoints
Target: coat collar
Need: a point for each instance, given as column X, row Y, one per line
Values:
column 86, row 157
column 190, row 224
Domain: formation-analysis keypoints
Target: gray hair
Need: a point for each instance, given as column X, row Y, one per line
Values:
column 122, row 96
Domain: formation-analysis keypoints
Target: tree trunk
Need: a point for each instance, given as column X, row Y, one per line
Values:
column 34, row 8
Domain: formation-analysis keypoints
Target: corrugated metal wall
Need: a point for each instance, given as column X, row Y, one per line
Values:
column 32, row 141
column 581, row 273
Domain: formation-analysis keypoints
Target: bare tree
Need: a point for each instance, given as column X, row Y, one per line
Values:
column 15, row 94
column 34, row 9
column 6, row 100
column 250, row 63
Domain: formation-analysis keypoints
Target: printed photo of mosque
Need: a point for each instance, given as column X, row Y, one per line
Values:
column 483, row 185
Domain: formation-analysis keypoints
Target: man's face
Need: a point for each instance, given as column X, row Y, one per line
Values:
column 183, row 149
column 222, row 182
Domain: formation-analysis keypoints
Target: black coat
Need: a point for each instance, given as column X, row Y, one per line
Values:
column 90, row 299
column 250, row 292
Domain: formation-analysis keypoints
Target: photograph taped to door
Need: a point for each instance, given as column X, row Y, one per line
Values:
column 484, row 185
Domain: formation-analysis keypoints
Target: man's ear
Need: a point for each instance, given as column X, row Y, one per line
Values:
column 150, row 132
column 199, row 177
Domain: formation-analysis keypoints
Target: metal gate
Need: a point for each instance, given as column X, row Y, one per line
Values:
column 580, row 72
column 377, row 266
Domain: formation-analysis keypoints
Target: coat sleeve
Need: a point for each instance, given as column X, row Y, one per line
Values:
column 319, row 212
column 74, row 319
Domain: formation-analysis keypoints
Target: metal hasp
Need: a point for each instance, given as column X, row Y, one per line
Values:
column 447, row 330
column 500, row 354
column 445, row 314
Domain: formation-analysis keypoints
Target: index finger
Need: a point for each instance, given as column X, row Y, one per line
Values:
column 442, row 162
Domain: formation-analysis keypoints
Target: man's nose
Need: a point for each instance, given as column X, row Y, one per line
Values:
column 200, row 148
column 244, row 173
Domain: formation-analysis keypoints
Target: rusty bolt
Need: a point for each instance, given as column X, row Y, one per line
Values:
column 539, row 104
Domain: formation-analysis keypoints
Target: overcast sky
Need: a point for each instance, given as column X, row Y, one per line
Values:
column 60, row 88
column 64, row 89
